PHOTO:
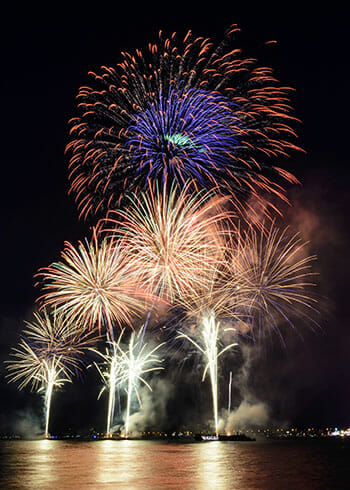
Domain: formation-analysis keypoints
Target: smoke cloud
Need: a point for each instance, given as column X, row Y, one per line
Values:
column 25, row 423
column 248, row 414
column 249, row 411
column 154, row 406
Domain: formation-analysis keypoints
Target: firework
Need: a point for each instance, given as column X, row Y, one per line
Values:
column 229, row 393
column 187, row 110
column 175, row 238
column 273, row 270
column 126, row 367
column 183, row 134
column 201, row 311
column 264, row 281
column 109, row 370
column 47, row 357
column 95, row 284
column 135, row 362
column 207, row 341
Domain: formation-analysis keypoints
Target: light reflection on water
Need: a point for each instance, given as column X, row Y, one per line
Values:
column 152, row 465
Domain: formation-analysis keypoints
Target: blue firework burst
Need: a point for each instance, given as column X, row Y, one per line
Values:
column 184, row 134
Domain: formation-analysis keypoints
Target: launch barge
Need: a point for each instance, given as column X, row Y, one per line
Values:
column 223, row 437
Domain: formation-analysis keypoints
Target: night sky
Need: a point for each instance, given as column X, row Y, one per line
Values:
column 45, row 57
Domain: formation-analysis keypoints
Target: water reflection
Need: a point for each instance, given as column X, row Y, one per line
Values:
column 154, row 465
column 117, row 462
column 40, row 462
column 142, row 464
column 214, row 466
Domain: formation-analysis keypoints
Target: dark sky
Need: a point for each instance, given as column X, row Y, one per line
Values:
column 45, row 56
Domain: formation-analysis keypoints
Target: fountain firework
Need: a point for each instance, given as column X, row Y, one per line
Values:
column 109, row 370
column 48, row 356
column 207, row 343
column 126, row 367
column 135, row 362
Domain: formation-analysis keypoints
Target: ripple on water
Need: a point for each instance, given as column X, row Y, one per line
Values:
column 152, row 465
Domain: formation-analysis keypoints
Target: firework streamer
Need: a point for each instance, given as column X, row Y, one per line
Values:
column 187, row 110
column 229, row 393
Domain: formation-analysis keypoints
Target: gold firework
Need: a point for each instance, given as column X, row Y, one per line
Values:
column 175, row 238
column 95, row 284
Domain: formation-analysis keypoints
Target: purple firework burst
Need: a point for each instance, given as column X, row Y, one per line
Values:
column 184, row 135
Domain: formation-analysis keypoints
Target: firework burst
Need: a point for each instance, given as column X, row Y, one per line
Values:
column 274, row 274
column 95, row 284
column 186, row 109
column 174, row 237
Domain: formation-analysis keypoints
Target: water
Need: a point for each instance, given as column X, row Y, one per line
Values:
column 61, row 465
